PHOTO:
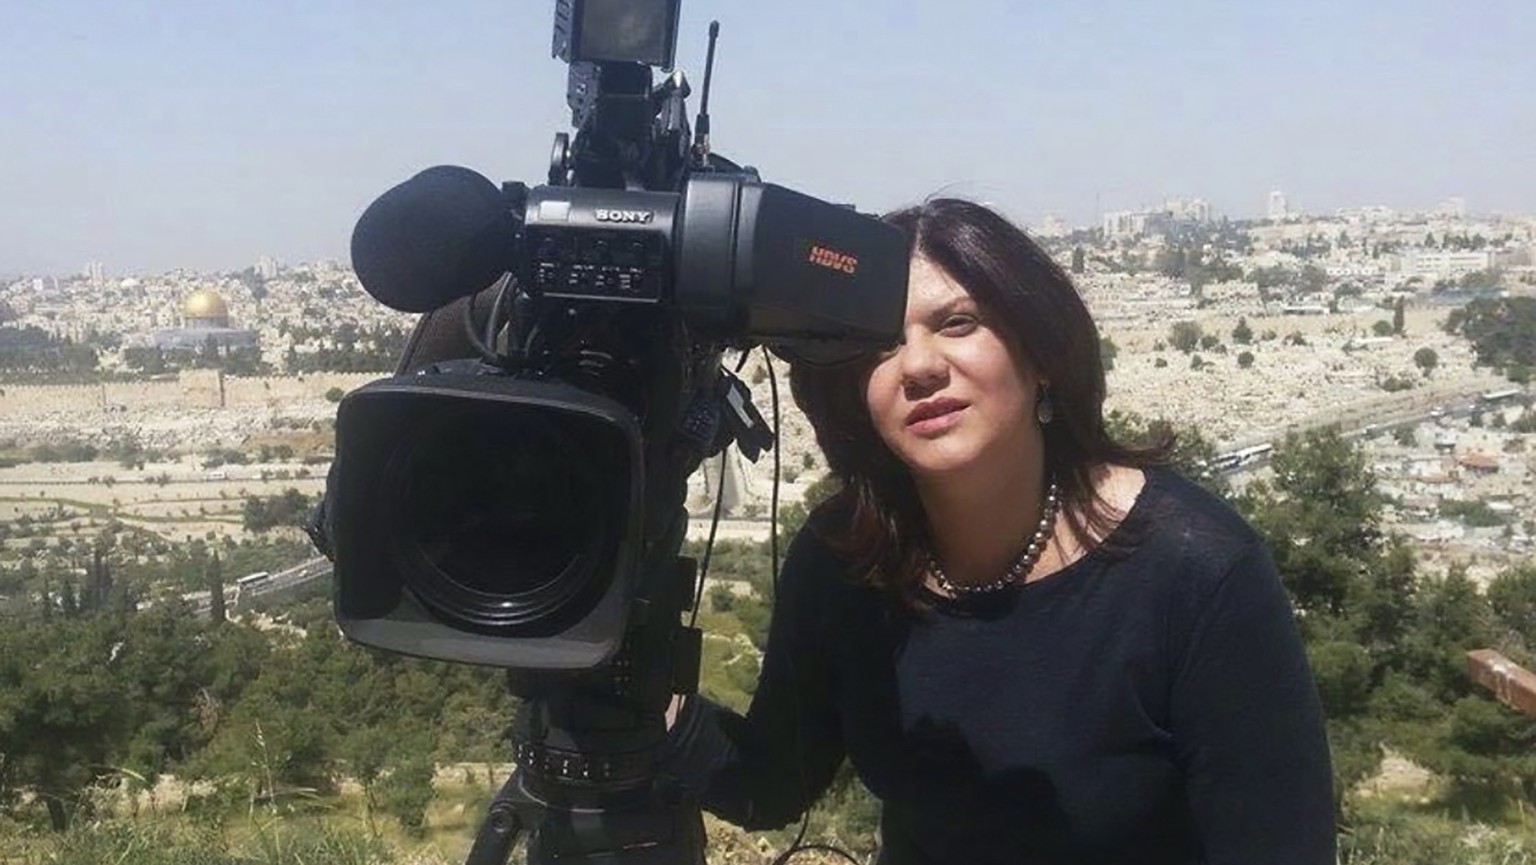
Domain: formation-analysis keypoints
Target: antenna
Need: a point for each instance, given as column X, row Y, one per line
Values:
column 701, row 127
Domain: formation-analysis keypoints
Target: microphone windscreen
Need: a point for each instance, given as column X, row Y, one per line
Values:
column 439, row 236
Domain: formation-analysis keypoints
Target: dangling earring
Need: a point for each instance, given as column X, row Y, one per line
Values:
column 1045, row 412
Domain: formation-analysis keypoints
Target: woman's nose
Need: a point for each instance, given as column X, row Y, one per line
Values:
column 922, row 362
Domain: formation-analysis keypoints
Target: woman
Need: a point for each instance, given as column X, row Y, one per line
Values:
column 1033, row 643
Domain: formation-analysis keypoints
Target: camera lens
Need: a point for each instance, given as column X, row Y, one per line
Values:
column 503, row 516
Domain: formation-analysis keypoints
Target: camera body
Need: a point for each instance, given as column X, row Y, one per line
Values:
column 521, row 506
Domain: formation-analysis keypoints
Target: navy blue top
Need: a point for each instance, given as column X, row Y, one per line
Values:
column 1150, row 706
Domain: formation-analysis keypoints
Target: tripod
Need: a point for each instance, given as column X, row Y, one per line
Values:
column 586, row 746
column 649, row 833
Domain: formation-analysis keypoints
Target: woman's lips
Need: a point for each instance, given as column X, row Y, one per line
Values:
column 936, row 423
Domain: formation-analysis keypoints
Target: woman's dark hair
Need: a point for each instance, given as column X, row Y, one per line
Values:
column 877, row 518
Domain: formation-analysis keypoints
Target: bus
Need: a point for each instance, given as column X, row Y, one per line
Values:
column 251, row 579
column 1241, row 457
column 1498, row 396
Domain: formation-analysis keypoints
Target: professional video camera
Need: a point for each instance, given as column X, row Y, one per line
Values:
column 515, row 497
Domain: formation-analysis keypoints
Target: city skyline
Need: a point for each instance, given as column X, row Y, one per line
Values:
column 151, row 136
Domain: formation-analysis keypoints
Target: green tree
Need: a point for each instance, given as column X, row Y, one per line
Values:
column 1484, row 747
column 1313, row 278
column 1079, row 260
column 165, row 669
column 1380, row 605
column 1108, row 351
column 216, row 611
column 1245, row 359
column 1512, row 598
column 1465, row 736
column 407, row 790
column 290, row 508
column 1426, row 359
column 1502, row 330
column 1449, row 619
column 791, row 518
column 1321, row 515
column 1185, row 335
column 1242, row 334
column 1342, row 670
column 1397, row 317
column 63, row 711
column 366, row 752
column 1171, row 262
column 282, row 732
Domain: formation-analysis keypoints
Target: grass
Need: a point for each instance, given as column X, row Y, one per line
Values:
column 337, row 831
column 1394, row 834
column 302, row 830
column 166, row 841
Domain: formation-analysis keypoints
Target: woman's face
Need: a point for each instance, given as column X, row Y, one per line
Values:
column 955, row 395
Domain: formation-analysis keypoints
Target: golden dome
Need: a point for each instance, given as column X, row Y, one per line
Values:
column 204, row 305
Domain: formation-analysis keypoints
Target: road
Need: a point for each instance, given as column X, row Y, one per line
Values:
column 1417, row 406
column 235, row 595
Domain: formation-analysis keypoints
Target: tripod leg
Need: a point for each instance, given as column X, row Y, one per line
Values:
column 499, row 831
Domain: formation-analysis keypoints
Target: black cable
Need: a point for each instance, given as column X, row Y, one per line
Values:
column 778, row 452
column 798, row 845
column 493, row 321
column 474, row 335
column 709, row 544
column 773, row 559
column 714, row 524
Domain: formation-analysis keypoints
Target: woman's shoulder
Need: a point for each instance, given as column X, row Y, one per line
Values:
column 1187, row 530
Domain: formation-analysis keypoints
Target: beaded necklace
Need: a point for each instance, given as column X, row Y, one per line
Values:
column 1026, row 559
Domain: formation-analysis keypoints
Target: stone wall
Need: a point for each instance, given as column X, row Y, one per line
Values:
column 199, row 389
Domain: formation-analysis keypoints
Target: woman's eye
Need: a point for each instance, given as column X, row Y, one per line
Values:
column 959, row 324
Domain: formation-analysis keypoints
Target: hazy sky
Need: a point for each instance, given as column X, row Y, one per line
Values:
column 152, row 134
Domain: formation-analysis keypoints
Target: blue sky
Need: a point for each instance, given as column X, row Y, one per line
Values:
column 152, row 134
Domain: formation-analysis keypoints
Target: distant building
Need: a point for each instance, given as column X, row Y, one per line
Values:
column 1051, row 226
column 1174, row 213
column 1125, row 223
column 1372, row 214
column 1354, row 270
column 95, row 272
column 266, row 267
column 1193, row 210
column 1454, row 207
column 204, row 322
column 1478, row 463
column 1441, row 263
column 1279, row 208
